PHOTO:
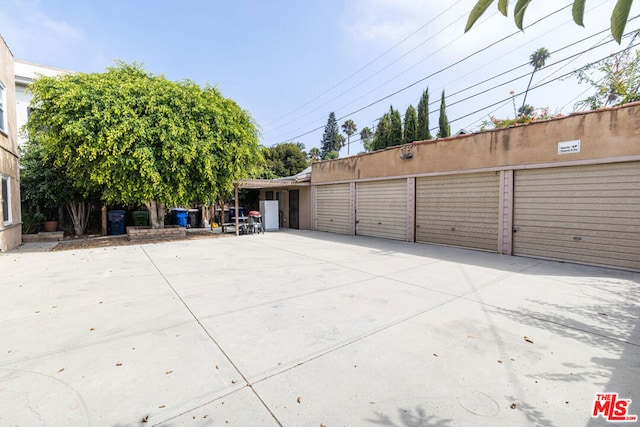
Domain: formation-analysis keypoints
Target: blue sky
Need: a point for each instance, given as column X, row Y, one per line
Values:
column 290, row 63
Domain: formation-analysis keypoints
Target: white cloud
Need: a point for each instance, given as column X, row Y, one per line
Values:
column 35, row 36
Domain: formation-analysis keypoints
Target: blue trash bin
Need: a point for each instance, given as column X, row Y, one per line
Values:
column 116, row 222
column 180, row 217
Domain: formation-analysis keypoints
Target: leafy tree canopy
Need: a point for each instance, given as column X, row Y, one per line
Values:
column 134, row 137
column 285, row 159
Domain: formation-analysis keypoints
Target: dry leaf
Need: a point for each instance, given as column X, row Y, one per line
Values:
column 513, row 406
column 527, row 339
column 299, row 399
column 233, row 381
column 499, row 361
column 217, row 367
column 145, row 419
column 61, row 370
column 168, row 372
column 119, row 364
column 162, row 406
column 92, row 329
column 435, row 354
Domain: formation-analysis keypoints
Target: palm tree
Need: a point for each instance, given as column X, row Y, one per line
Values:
column 314, row 154
column 349, row 127
column 537, row 60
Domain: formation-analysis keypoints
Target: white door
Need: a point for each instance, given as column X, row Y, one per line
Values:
column 381, row 209
column 332, row 208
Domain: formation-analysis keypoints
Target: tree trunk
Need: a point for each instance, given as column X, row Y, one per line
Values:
column 79, row 212
column 156, row 214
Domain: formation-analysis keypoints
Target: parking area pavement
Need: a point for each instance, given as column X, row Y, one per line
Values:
column 304, row 328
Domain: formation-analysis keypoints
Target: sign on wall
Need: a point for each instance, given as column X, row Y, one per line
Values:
column 568, row 147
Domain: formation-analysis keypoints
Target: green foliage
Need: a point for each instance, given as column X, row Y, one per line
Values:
column 619, row 16
column 532, row 116
column 133, row 137
column 423, row 132
column 31, row 221
column 616, row 81
column 314, row 154
column 395, row 133
column 349, row 127
column 285, row 159
column 333, row 154
column 444, row 128
column 366, row 136
column 383, row 129
column 410, row 125
column 43, row 185
column 332, row 140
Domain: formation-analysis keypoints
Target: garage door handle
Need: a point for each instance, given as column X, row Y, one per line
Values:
column 514, row 229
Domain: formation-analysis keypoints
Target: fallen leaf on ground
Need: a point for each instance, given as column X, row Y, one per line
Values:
column 61, row 370
column 299, row 399
column 527, row 339
column 145, row 419
column 233, row 381
column 513, row 406
column 435, row 354
column 168, row 372
column 119, row 364
column 92, row 329
column 217, row 367
column 162, row 406
column 499, row 361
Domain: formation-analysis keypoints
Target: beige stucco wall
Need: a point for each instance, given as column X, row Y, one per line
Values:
column 603, row 134
column 10, row 234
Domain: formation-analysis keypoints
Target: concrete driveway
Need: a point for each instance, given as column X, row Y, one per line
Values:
column 311, row 329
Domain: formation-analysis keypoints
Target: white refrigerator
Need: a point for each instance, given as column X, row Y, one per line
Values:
column 269, row 212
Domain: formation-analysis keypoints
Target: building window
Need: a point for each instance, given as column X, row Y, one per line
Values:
column 6, row 201
column 3, row 113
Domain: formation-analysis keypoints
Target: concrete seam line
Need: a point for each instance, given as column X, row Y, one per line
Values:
column 206, row 331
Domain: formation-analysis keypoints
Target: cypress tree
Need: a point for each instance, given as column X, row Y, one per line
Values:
column 445, row 129
column 381, row 137
column 423, row 133
column 395, row 133
column 410, row 125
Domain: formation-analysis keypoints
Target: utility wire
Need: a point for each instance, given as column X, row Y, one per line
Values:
column 431, row 75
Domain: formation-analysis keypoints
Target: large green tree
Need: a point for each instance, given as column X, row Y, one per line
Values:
column 423, row 132
column 314, row 154
column 349, row 127
column 444, row 130
column 410, row 125
column 332, row 139
column 619, row 16
column 136, row 138
column 615, row 80
column 285, row 159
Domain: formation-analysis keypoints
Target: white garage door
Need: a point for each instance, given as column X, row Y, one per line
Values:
column 381, row 209
column 458, row 210
column 332, row 208
column 585, row 214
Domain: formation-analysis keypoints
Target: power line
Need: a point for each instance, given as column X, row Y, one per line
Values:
column 431, row 75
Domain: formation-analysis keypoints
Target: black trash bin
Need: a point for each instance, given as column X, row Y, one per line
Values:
column 116, row 222
column 194, row 219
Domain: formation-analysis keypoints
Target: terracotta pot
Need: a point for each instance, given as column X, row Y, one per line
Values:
column 51, row 226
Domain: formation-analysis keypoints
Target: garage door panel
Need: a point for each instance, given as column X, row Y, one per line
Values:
column 588, row 214
column 332, row 208
column 382, row 209
column 458, row 210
